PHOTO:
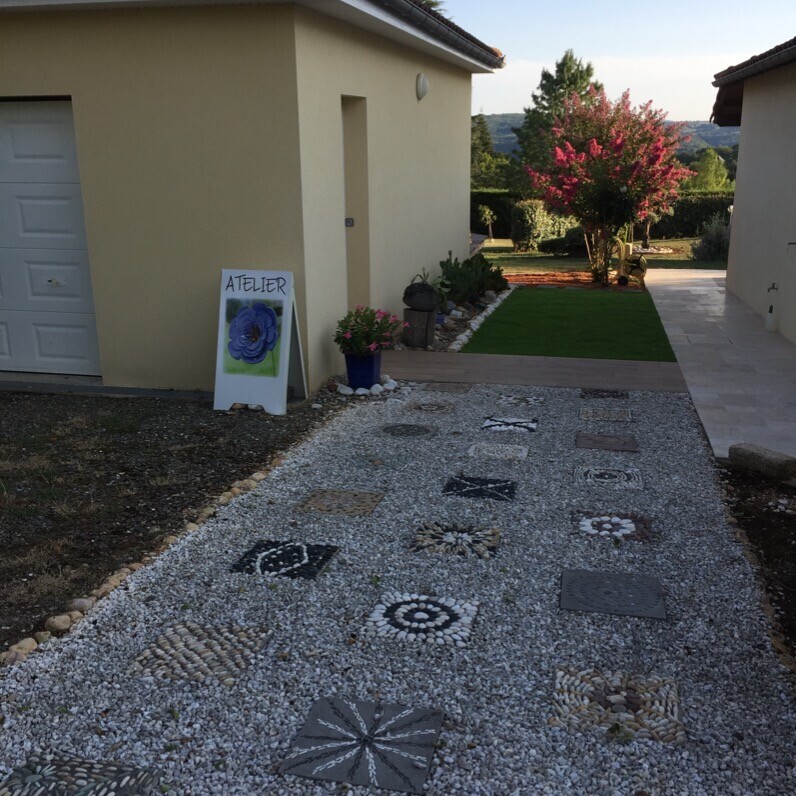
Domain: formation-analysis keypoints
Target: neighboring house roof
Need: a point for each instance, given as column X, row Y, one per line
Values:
column 405, row 21
column 730, row 81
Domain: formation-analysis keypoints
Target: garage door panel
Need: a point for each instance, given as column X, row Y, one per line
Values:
column 42, row 216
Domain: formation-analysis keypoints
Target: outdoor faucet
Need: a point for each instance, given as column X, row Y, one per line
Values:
column 774, row 286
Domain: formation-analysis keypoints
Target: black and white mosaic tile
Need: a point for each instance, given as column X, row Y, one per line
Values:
column 434, row 537
column 609, row 593
column 471, row 487
column 495, row 450
column 342, row 501
column 606, row 442
column 61, row 775
column 408, row 430
column 366, row 744
column 520, row 400
column 191, row 652
column 647, row 707
column 606, row 415
column 509, row 424
column 615, row 525
column 424, row 618
column 286, row 559
column 432, row 407
column 629, row 478
column 614, row 394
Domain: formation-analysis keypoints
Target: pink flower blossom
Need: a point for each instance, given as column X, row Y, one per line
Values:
column 347, row 335
column 373, row 346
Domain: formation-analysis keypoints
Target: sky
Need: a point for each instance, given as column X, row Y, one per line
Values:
column 666, row 52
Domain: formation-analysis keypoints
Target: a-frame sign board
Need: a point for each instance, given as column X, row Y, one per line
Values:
column 259, row 348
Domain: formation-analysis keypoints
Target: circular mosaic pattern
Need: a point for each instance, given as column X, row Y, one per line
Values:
column 463, row 541
column 610, row 594
column 407, row 430
column 433, row 406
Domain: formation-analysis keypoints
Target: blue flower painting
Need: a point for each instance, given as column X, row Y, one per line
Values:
column 254, row 332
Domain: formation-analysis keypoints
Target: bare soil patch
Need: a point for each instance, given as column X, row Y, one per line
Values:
column 90, row 483
column 581, row 279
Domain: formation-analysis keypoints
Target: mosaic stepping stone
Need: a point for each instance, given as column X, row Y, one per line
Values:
column 435, row 537
column 432, row 406
column 342, row 501
column 366, row 744
column 629, row 478
column 520, row 400
column 494, row 450
column 286, row 559
column 607, row 415
column 422, row 618
column 509, row 424
column 60, row 775
column 449, row 386
column 408, row 430
column 614, row 394
column 606, row 442
column 191, row 652
column 491, row 488
column 616, row 525
column 647, row 707
column 608, row 593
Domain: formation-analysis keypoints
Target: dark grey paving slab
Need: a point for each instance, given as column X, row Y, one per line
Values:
column 606, row 442
column 366, row 744
column 60, row 775
column 470, row 487
column 613, row 394
column 287, row 559
column 408, row 430
column 611, row 477
column 606, row 415
column 609, row 593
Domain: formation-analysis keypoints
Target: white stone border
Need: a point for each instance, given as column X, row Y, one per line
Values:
column 474, row 323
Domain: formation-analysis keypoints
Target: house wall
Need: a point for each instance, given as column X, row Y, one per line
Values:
column 187, row 137
column 764, row 217
column 417, row 167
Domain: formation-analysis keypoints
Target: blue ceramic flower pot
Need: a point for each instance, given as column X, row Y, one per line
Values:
column 363, row 371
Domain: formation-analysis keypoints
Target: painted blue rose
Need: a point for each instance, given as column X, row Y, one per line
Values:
column 253, row 333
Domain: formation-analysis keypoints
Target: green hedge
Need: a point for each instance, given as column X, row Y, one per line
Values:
column 500, row 202
column 691, row 213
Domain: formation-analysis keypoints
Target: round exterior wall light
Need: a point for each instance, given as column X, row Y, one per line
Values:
column 421, row 86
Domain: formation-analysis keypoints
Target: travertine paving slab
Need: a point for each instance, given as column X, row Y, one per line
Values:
column 609, row 593
column 606, row 442
column 342, row 501
column 286, row 559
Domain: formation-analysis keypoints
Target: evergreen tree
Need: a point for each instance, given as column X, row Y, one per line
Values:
column 711, row 173
column 486, row 166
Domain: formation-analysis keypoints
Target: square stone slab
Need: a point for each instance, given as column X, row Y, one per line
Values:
column 492, row 488
column 606, row 415
column 408, row 430
column 60, row 775
column 448, row 386
column 606, row 442
column 366, row 744
column 509, row 424
column 614, row 394
column 629, row 478
column 191, row 652
column 286, row 559
column 621, row 525
column 422, row 618
column 608, row 593
column 647, row 707
column 342, row 501
column 494, row 450
column 435, row 537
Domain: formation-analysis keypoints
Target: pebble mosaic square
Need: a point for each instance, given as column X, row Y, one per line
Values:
column 366, row 744
column 422, row 618
column 494, row 450
column 408, row 430
column 509, row 424
column 60, row 775
column 342, row 501
column 607, row 415
column 609, row 593
column 616, row 394
column 191, row 652
column 448, row 386
column 520, row 400
column 470, row 487
column 431, row 407
column 606, row 442
column 620, row 525
column 435, row 537
column 648, row 707
column 630, row 478
column 286, row 559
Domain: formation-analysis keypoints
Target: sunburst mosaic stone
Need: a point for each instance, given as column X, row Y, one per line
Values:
column 471, row 487
column 366, row 744
column 495, row 450
column 286, row 559
column 629, row 478
column 614, row 394
column 625, row 526
column 610, row 593
column 60, row 775
column 647, row 706
column 606, row 415
column 434, row 537
column 520, row 400
column 432, row 407
column 342, row 501
column 422, row 618
column 408, row 430
column 509, row 424
column 191, row 652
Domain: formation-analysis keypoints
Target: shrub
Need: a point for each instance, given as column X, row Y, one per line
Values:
column 530, row 223
column 469, row 279
column 570, row 244
column 691, row 213
column 714, row 241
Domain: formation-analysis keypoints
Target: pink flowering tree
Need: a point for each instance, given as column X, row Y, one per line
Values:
column 613, row 165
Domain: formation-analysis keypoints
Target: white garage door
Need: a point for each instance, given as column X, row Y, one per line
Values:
column 47, row 319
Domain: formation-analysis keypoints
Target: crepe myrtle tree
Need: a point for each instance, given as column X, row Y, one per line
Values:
column 612, row 164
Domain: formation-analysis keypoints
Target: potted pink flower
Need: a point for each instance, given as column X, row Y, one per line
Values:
column 362, row 335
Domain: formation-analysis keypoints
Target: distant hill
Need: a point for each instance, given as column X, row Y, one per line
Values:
column 703, row 134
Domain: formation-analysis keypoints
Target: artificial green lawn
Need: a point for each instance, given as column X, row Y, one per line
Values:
column 595, row 324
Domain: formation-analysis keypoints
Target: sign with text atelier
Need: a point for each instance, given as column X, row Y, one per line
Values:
column 259, row 349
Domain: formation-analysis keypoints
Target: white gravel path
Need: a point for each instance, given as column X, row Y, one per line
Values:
column 80, row 696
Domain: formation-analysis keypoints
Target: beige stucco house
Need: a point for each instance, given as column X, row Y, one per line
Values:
column 144, row 146
column 760, row 95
